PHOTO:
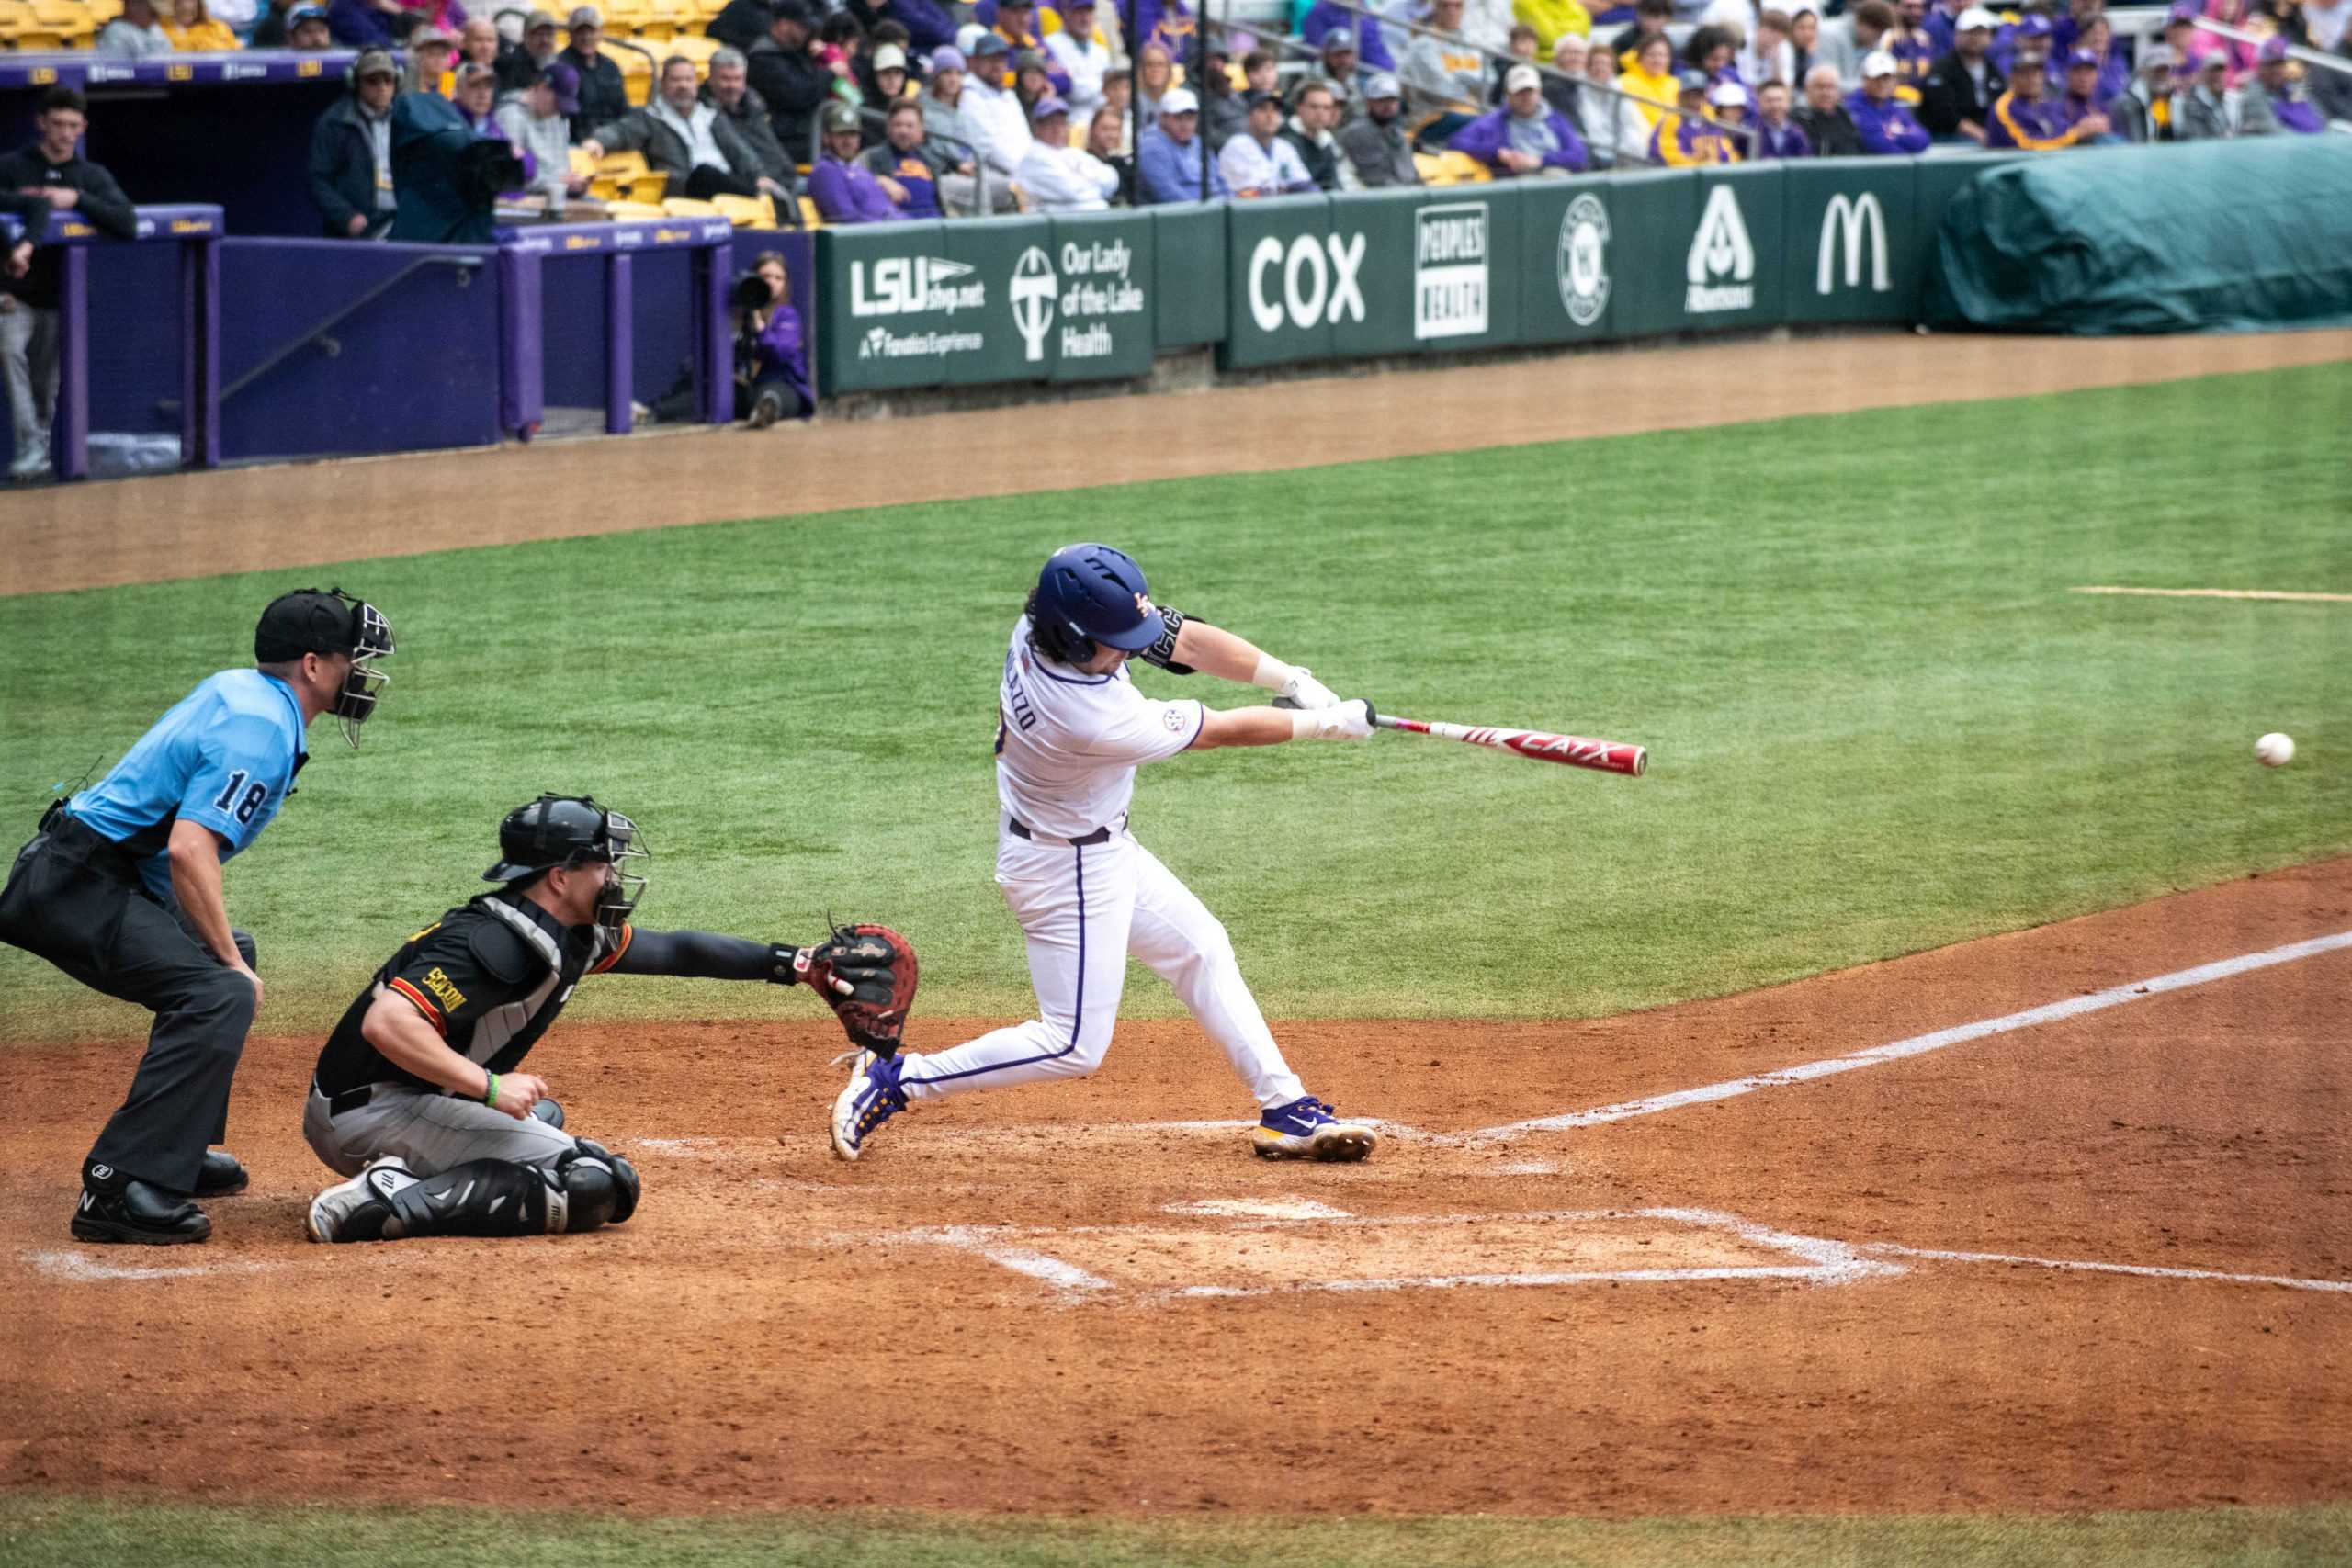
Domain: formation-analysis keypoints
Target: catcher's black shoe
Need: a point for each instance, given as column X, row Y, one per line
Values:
column 222, row 1175
column 549, row 1111
column 139, row 1213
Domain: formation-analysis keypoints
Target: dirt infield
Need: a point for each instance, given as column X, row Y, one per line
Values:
column 198, row 525
column 1081, row 1297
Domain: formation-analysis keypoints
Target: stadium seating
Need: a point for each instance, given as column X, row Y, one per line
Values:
column 636, row 67
column 745, row 211
column 1451, row 168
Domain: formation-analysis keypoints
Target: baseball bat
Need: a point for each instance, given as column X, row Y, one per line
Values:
column 1602, row 756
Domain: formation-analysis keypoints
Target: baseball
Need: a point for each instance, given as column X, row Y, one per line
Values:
column 2275, row 751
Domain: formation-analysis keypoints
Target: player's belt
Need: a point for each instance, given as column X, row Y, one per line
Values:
column 1020, row 830
column 349, row 1099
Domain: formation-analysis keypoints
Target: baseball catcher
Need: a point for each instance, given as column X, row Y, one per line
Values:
column 418, row 1096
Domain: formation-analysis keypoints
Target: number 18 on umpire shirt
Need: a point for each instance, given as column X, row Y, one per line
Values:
column 223, row 759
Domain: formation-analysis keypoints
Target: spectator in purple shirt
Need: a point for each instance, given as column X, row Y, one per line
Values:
column 2274, row 91
column 1364, row 34
column 843, row 189
column 1885, row 126
column 1526, row 136
column 1777, row 135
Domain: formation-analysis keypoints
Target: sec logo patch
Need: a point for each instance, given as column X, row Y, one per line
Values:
column 1173, row 720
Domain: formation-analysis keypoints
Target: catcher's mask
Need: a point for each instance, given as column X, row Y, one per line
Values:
column 1089, row 594
column 573, row 831
column 306, row 621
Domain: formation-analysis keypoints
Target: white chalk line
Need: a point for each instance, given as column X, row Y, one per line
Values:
column 2225, row 594
column 1918, row 1045
column 2143, row 1270
column 1259, row 1209
column 1819, row 1262
column 79, row 1266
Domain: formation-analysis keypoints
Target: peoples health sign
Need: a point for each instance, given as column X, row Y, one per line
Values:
column 1450, row 275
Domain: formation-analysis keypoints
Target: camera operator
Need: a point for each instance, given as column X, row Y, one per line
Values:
column 771, row 370
column 448, row 174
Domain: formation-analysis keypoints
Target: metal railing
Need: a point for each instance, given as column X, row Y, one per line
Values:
column 1550, row 72
column 466, row 266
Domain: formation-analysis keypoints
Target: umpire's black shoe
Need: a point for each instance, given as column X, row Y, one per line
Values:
column 139, row 1213
column 549, row 1111
column 223, row 1175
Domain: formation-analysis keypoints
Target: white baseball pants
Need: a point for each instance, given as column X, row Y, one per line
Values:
column 1086, row 909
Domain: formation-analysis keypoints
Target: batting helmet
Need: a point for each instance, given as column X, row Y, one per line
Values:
column 571, row 830
column 1089, row 594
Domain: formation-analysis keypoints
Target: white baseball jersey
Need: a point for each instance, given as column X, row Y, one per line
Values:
column 1068, row 744
column 1067, row 749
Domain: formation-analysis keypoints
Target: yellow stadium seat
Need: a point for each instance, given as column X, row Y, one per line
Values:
column 632, row 212
column 647, row 188
column 16, row 19
column 746, row 211
column 671, row 19
column 582, row 163
column 636, row 71
column 105, row 11
column 687, row 207
column 810, row 217
column 624, row 18
column 695, row 47
column 1451, row 168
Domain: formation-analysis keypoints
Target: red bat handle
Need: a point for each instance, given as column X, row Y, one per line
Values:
column 1573, row 751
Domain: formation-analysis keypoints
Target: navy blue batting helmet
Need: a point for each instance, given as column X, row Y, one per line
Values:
column 1089, row 594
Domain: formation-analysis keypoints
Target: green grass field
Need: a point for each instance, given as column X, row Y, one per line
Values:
column 51, row 1533
column 1878, row 721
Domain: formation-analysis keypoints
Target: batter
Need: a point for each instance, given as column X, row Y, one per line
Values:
column 1071, row 730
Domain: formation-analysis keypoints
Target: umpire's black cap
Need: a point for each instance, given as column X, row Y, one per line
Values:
column 309, row 621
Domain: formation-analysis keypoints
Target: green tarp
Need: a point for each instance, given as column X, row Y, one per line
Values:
column 2221, row 236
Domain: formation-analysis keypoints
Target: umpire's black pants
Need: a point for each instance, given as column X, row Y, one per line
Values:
column 77, row 899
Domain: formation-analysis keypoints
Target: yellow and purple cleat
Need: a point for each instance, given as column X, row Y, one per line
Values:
column 1309, row 1129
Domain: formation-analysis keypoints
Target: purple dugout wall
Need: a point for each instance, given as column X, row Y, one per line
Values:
column 336, row 348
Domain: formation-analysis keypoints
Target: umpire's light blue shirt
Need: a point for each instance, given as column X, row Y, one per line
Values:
column 225, row 757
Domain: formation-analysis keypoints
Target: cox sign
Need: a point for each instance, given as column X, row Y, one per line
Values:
column 1321, row 281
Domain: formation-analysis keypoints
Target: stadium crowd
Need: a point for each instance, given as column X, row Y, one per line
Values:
column 886, row 110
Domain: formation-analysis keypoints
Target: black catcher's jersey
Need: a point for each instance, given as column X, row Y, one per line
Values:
column 491, row 977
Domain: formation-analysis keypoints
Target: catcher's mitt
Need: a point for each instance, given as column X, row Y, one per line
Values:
column 878, row 966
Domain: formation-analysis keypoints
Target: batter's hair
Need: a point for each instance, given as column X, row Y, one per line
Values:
column 64, row 99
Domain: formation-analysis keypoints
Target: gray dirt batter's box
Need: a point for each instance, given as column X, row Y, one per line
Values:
column 1335, row 1251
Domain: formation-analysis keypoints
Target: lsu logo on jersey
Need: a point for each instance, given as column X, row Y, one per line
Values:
column 444, row 990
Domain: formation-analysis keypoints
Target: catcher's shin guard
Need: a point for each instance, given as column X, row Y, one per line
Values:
column 581, row 1190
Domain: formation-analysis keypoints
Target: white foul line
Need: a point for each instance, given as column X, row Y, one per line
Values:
column 2225, row 594
column 1919, row 1045
column 2143, row 1270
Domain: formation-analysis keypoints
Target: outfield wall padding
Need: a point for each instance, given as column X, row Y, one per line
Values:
column 1380, row 273
column 2245, row 236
